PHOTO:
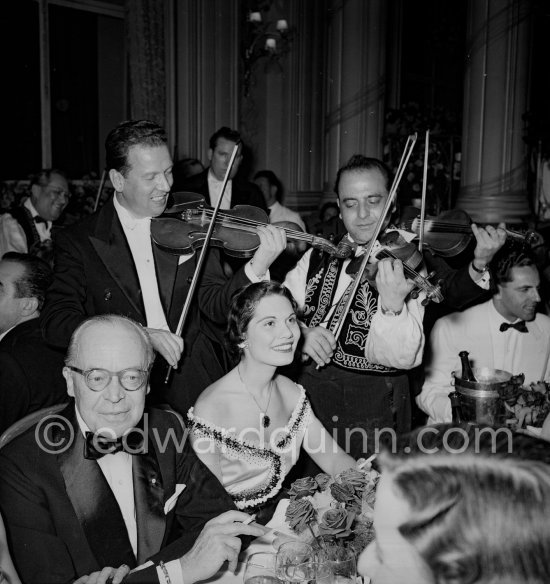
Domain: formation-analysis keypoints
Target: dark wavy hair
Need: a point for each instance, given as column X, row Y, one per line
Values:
column 479, row 501
column 510, row 255
column 225, row 133
column 128, row 134
column 360, row 162
column 243, row 305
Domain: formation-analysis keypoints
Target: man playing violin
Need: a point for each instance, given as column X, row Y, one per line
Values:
column 358, row 381
column 107, row 264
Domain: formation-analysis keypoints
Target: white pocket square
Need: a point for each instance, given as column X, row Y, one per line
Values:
column 171, row 502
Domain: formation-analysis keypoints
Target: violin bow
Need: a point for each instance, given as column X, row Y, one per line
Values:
column 101, row 185
column 409, row 145
column 204, row 251
column 424, row 188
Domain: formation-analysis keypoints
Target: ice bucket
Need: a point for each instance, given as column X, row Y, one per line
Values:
column 480, row 400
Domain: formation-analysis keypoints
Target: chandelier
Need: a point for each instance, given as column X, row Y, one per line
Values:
column 267, row 38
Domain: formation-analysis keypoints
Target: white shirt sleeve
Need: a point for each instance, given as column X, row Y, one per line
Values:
column 249, row 272
column 12, row 236
column 397, row 341
column 296, row 279
column 434, row 397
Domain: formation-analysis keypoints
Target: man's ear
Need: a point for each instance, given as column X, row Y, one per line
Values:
column 210, row 154
column 67, row 374
column 28, row 306
column 117, row 180
column 148, row 388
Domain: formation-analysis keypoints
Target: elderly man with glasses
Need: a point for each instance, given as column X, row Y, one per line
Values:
column 106, row 485
column 28, row 228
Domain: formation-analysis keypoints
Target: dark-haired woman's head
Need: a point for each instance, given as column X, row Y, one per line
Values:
column 262, row 321
column 462, row 505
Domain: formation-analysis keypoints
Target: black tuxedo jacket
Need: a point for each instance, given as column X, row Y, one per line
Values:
column 95, row 274
column 242, row 192
column 63, row 520
column 30, row 373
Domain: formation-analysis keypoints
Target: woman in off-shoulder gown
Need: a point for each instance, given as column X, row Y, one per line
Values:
column 249, row 426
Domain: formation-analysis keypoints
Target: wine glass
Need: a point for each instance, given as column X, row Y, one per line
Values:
column 260, row 569
column 293, row 561
column 342, row 563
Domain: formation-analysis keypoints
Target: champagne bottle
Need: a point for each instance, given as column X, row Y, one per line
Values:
column 455, row 407
column 467, row 373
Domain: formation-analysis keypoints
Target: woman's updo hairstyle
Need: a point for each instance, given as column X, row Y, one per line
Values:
column 243, row 306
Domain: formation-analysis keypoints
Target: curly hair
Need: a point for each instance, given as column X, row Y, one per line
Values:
column 243, row 305
column 478, row 513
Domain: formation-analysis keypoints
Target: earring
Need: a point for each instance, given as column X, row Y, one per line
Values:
column 243, row 345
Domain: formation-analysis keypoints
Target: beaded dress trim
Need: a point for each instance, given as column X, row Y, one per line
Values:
column 237, row 449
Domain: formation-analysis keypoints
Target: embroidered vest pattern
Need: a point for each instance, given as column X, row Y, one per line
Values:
column 321, row 286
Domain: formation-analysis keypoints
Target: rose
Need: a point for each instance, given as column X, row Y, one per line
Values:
column 353, row 477
column 322, row 479
column 302, row 488
column 342, row 493
column 299, row 513
column 337, row 523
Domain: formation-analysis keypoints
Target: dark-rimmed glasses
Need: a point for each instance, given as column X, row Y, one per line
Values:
column 99, row 379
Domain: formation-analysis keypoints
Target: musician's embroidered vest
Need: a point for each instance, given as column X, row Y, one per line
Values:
column 322, row 281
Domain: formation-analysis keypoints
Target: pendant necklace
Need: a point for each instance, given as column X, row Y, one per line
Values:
column 266, row 420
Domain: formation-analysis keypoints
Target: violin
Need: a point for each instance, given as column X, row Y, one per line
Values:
column 183, row 228
column 394, row 246
column 450, row 232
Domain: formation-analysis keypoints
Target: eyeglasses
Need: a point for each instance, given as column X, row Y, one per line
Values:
column 99, row 379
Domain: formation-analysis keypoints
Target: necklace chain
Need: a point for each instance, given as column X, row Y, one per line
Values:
column 266, row 420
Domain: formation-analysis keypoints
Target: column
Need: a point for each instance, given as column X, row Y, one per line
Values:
column 493, row 182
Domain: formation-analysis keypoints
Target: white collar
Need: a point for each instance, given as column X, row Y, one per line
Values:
column 34, row 213
column 128, row 220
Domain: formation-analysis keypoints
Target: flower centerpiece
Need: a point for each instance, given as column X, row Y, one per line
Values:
column 335, row 511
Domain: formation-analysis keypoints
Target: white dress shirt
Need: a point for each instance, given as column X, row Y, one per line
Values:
column 215, row 188
column 138, row 234
column 117, row 470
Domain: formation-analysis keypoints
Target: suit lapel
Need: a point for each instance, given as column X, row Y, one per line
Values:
column 93, row 501
column 112, row 247
column 148, row 497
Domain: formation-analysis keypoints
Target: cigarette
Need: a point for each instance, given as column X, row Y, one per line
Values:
column 249, row 520
column 364, row 463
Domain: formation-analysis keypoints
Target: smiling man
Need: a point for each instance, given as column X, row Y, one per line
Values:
column 28, row 228
column 504, row 333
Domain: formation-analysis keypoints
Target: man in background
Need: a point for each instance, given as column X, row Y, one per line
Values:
column 506, row 332
column 272, row 191
column 30, row 371
column 28, row 228
column 209, row 182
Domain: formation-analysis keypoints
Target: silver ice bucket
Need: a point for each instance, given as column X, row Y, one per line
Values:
column 480, row 401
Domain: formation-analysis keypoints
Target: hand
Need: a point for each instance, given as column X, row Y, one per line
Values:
column 392, row 285
column 272, row 243
column 319, row 344
column 110, row 575
column 489, row 241
column 169, row 345
column 217, row 543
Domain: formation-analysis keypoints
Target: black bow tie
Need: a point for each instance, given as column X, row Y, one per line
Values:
column 38, row 219
column 519, row 326
column 97, row 446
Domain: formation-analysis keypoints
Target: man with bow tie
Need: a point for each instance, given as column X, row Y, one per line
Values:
column 28, row 228
column 104, row 484
column 505, row 333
